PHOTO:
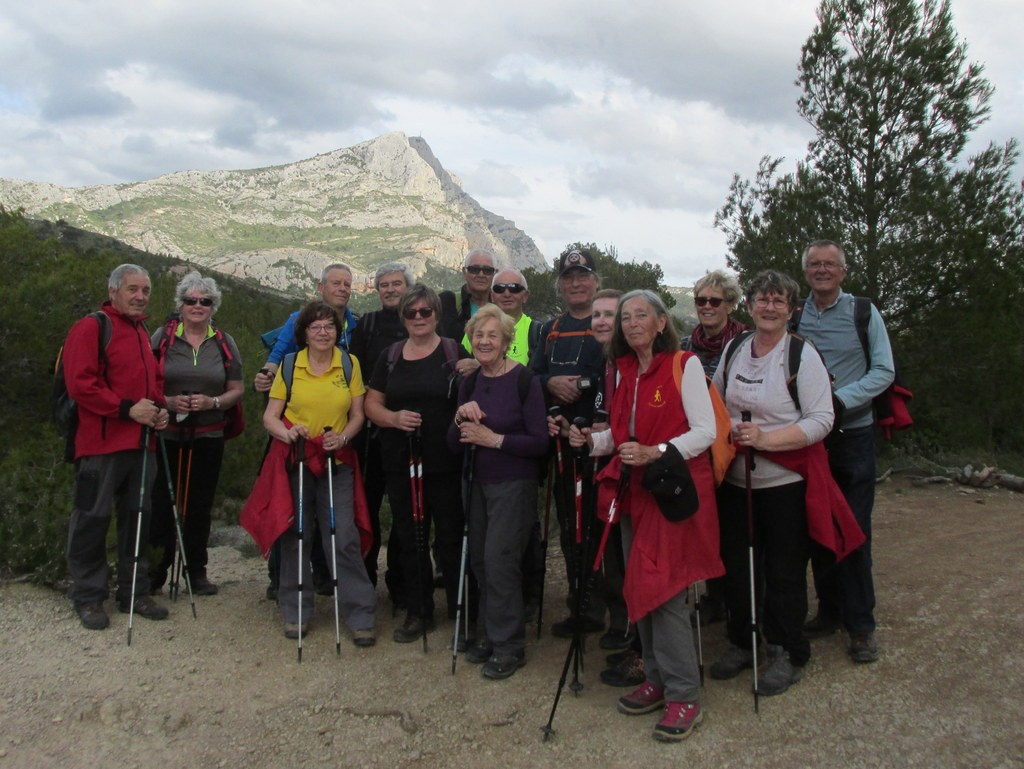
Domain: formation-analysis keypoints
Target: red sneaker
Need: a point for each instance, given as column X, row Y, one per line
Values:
column 678, row 722
column 644, row 699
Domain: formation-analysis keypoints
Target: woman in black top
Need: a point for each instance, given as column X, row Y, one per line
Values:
column 411, row 397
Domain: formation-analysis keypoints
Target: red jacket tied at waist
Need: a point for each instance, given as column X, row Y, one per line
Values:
column 270, row 509
column 830, row 522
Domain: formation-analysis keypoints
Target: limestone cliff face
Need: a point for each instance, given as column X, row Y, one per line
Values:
column 383, row 200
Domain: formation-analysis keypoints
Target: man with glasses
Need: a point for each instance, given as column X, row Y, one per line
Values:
column 509, row 291
column 477, row 270
column 846, row 592
column 570, row 362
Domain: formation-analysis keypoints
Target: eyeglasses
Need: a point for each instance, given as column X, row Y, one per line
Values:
column 703, row 301
column 192, row 301
column 512, row 288
column 478, row 269
column 830, row 266
column 421, row 312
column 321, row 328
column 776, row 303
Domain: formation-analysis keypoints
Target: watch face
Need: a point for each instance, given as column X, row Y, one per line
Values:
column 662, row 447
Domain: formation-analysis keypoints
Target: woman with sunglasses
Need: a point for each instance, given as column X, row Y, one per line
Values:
column 202, row 380
column 411, row 398
column 715, row 296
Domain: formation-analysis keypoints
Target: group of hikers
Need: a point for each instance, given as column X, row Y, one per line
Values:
column 473, row 418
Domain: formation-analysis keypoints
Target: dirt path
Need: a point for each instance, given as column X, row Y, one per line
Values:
column 226, row 691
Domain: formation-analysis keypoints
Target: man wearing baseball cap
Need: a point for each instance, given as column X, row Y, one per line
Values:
column 570, row 363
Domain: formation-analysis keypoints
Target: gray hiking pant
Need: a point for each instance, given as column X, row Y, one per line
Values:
column 103, row 483
column 357, row 600
column 501, row 516
column 670, row 658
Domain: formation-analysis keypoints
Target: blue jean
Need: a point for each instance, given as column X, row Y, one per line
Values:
column 846, row 589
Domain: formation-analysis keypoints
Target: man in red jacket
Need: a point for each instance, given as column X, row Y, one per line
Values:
column 116, row 390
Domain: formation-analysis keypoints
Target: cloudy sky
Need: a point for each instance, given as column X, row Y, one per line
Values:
column 613, row 122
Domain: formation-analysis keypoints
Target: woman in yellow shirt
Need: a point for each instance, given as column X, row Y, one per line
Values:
column 321, row 398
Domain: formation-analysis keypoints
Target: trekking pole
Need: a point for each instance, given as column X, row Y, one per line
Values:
column 544, row 546
column 178, row 565
column 177, row 523
column 580, row 565
column 416, row 490
column 700, row 645
column 334, row 552
column 172, row 586
column 748, row 465
column 138, row 530
column 300, row 448
column 463, row 592
column 575, row 647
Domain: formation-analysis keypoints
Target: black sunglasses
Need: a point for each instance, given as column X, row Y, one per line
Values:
column 477, row 269
column 423, row 312
column 714, row 301
column 512, row 288
column 191, row 301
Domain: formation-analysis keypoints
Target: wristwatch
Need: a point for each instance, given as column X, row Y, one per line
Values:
column 662, row 447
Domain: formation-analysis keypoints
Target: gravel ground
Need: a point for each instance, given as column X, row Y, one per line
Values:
column 225, row 690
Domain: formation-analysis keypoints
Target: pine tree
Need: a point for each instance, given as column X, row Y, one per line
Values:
column 892, row 98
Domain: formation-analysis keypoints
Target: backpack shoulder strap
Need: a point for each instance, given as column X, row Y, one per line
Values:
column 533, row 336
column 168, row 331
column 794, row 321
column 793, row 350
column 677, row 370
column 451, row 351
column 288, row 374
column 394, row 350
column 861, row 318
column 523, row 383
column 225, row 350
column 346, row 364
column 106, row 329
column 730, row 352
column 552, row 334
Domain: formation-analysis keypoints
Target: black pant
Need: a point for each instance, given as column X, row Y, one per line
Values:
column 194, row 471
column 442, row 506
column 781, row 551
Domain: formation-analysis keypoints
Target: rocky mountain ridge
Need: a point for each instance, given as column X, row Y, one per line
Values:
column 382, row 200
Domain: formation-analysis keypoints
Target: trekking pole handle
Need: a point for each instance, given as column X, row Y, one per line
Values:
column 579, row 423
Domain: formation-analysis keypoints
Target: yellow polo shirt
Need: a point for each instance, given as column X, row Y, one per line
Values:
column 319, row 401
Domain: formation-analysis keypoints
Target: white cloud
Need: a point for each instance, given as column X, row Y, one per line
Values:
column 598, row 121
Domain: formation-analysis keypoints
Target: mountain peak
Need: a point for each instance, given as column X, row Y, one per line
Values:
column 386, row 199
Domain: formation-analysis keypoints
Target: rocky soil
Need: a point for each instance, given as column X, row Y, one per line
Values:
column 225, row 689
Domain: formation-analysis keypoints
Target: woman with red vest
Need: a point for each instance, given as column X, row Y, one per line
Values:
column 653, row 411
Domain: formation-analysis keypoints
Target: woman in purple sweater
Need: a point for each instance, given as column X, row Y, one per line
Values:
column 501, row 420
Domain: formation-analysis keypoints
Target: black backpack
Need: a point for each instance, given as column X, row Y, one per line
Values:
column 63, row 409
